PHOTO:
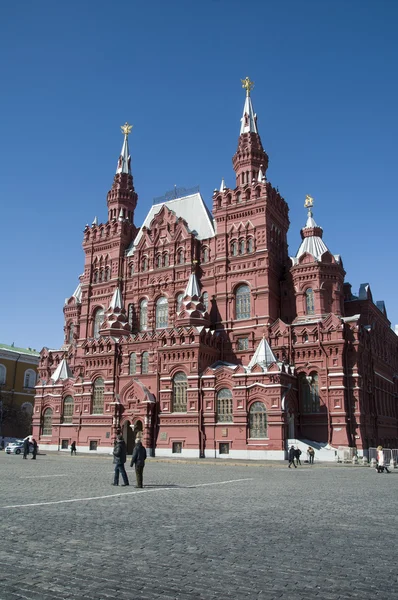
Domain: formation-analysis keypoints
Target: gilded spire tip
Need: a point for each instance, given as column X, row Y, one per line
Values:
column 126, row 129
column 309, row 202
column 247, row 85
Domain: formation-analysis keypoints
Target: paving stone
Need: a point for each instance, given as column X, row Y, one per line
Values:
column 315, row 532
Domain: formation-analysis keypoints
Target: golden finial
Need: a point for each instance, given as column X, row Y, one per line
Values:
column 126, row 128
column 247, row 85
column 309, row 201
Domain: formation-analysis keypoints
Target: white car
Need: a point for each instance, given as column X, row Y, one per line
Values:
column 15, row 447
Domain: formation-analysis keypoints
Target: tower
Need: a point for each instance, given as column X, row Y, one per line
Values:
column 318, row 275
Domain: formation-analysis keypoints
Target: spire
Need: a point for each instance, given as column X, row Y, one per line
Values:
column 116, row 301
column 249, row 118
column 122, row 196
column 263, row 355
column 192, row 290
column 62, row 371
column 250, row 157
column 95, row 222
column 223, row 187
column 123, row 165
column 311, row 235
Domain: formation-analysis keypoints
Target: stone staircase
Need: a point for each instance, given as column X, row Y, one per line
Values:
column 323, row 451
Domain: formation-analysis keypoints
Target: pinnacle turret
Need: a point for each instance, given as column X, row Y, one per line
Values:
column 122, row 198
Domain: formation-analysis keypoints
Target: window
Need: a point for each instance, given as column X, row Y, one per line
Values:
column 177, row 447
column 68, row 410
column 224, row 406
column 27, row 407
column 179, row 302
column 205, row 297
column 166, row 260
column 258, row 421
column 132, row 269
column 242, row 246
column 205, row 255
column 309, row 393
column 107, row 274
column 143, row 315
column 70, row 333
column 224, row 448
column 250, row 245
column 29, row 379
column 133, row 364
column 93, row 445
column 144, row 263
column 243, row 343
column 180, row 385
column 95, row 277
column 47, row 428
column 242, row 298
column 64, row 444
column 130, row 315
column 98, row 397
column 145, row 363
column 98, row 320
column 159, row 261
column 162, row 313
column 234, row 248
column 309, row 302
column 180, row 257
column 2, row 374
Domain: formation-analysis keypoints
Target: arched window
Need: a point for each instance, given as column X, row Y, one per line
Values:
column 309, row 393
column 3, row 372
column 130, row 315
column 27, row 408
column 205, row 298
column 29, row 380
column 145, row 363
column 179, row 302
column 107, row 274
column 68, row 410
column 224, row 406
column 242, row 302
column 98, row 397
column 132, row 269
column 180, row 386
column 133, row 364
column 143, row 315
column 180, row 257
column 234, row 248
column 242, row 246
column 162, row 313
column 47, row 427
column 250, row 245
column 71, row 331
column 159, row 261
column 205, row 255
column 144, row 263
column 166, row 260
column 95, row 276
column 258, row 421
column 98, row 320
column 309, row 302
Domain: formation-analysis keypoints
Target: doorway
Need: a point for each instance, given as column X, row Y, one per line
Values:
column 128, row 437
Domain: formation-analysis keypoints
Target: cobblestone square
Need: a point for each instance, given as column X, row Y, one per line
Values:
column 197, row 530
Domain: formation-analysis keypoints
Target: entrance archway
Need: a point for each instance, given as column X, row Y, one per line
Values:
column 137, row 431
column 128, row 437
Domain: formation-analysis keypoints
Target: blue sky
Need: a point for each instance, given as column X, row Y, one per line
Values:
column 326, row 96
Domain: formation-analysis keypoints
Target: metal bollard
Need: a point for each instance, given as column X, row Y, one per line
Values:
column 392, row 464
column 365, row 461
column 355, row 459
column 373, row 462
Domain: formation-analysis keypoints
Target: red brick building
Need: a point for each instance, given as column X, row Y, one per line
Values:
column 198, row 331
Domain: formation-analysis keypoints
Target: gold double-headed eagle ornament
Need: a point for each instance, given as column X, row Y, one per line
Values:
column 309, row 201
column 247, row 85
column 126, row 129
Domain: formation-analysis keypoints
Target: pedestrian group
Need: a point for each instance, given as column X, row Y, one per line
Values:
column 120, row 457
column 294, row 455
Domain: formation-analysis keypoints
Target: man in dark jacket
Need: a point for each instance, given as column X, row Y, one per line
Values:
column 297, row 454
column 138, row 459
column 291, row 457
column 119, row 458
column 34, row 451
column 26, row 448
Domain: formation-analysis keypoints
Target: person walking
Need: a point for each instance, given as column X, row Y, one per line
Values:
column 26, row 448
column 380, row 461
column 119, row 458
column 291, row 457
column 73, row 448
column 34, row 451
column 311, row 454
column 297, row 454
column 138, row 459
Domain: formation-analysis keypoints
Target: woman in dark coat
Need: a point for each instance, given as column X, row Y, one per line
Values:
column 138, row 459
